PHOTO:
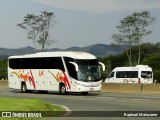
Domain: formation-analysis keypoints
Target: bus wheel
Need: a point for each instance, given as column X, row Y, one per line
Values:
column 84, row 93
column 23, row 88
column 62, row 89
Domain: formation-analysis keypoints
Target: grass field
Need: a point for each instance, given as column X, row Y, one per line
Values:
column 31, row 105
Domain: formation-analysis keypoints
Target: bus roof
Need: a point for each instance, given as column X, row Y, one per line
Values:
column 72, row 54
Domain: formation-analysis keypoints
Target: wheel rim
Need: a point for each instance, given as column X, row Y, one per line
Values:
column 24, row 88
column 63, row 89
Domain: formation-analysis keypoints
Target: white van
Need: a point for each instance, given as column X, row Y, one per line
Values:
column 138, row 74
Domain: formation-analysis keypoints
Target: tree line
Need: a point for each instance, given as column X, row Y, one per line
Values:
column 150, row 55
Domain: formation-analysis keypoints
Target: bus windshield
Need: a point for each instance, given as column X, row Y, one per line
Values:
column 88, row 70
column 88, row 73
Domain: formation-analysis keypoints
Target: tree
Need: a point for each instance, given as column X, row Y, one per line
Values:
column 140, row 22
column 126, row 42
column 38, row 27
column 133, row 28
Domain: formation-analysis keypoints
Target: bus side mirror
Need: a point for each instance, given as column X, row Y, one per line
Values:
column 75, row 64
column 103, row 66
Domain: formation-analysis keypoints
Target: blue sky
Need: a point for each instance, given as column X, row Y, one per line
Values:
column 80, row 22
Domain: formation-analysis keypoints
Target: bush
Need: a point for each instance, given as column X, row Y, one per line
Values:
column 3, row 69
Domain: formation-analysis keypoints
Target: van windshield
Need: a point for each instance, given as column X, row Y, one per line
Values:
column 146, row 74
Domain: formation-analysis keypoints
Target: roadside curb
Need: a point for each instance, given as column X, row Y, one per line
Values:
column 68, row 111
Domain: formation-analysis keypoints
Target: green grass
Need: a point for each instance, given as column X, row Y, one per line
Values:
column 16, row 104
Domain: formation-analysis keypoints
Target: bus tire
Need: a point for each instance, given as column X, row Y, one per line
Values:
column 23, row 88
column 62, row 89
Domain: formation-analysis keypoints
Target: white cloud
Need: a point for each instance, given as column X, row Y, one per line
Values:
column 102, row 6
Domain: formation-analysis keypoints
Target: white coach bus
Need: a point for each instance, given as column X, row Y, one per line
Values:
column 55, row 71
column 137, row 74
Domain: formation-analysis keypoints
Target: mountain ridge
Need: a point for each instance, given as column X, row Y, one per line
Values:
column 99, row 50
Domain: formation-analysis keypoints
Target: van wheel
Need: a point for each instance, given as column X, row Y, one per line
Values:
column 23, row 88
column 62, row 89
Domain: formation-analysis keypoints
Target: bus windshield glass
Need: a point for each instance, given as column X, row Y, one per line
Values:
column 88, row 70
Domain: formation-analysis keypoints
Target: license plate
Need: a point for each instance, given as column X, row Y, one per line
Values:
column 91, row 89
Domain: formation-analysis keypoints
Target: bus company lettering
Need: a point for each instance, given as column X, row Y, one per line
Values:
column 25, row 77
column 41, row 73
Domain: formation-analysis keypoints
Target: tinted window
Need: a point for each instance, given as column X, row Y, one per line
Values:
column 111, row 75
column 87, row 62
column 71, row 68
column 127, row 74
column 146, row 74
column 37, row 63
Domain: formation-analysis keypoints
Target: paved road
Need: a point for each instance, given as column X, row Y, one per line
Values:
column 98, row 102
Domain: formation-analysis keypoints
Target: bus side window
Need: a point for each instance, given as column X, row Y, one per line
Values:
column 111, row 75
column 37, row 63
column 70, row 67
